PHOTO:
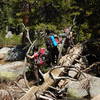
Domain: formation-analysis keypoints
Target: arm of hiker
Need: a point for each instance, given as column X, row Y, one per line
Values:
column 30, row 56
column 33, row 56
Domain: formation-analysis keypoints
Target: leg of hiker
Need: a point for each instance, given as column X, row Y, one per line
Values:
column 36, row 74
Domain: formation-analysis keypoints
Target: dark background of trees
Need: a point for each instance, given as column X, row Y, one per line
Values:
column 58, row 13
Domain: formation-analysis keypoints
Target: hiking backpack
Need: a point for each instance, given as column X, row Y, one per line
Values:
column 51, row 42
column 42, row 56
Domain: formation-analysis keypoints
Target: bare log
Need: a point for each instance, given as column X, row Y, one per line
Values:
column 67, row 60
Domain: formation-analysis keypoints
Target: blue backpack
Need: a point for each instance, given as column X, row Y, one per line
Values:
column 54, row 43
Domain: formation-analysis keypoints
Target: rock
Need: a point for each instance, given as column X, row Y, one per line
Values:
column 11, row 70
column 2, row 56
column 3, row 52
column 96, row 97
column 75, row 90
column 79, row 88
column 16, row 54
column 95, row 86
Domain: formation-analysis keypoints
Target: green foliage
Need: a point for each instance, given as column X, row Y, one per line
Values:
column 54, row 15
column 91, row 15
column 43, row 27
column 15, row 40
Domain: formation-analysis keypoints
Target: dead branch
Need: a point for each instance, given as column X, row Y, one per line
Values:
column 94, row 64
column 31, row 47
column 66, row 85
column 48, row 81
column 19, row 86
column 45, row 98
column 57, row 89
column 25, row 80
column 70, row 68
column 12, row 98
column 27, row 34
column 50, row 94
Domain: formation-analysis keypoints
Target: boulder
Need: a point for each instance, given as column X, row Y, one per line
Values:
column 11, row 70
column 2, row 56
column 17, row 53
column 96, row 97
column 79, row 89
column 95, row 86
column 3, row 52
column 75, row 90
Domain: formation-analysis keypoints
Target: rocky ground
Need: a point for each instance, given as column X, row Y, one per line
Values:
column 73, row 77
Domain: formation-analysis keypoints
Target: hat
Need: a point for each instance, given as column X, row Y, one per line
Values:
column 49, row 31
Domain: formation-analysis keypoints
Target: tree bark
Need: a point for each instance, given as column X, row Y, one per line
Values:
column 66, row 60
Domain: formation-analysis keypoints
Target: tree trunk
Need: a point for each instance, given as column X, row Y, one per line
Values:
column 66, row 60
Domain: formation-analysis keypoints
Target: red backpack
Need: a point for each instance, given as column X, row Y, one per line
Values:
column 41, row 59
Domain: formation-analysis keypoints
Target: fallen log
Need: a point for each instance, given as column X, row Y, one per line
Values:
column 67, row 60
column 85, row 85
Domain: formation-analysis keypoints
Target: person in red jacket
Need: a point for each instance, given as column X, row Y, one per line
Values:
column 35, row 55
column 35, row 66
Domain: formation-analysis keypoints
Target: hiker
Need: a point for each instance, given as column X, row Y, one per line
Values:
column 58, row 39
column 68, row 39
column 69, row 35
column 35, row 64
column 42, row 58
column 51, row 45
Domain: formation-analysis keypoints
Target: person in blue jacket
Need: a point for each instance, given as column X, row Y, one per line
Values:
column 51, row 45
